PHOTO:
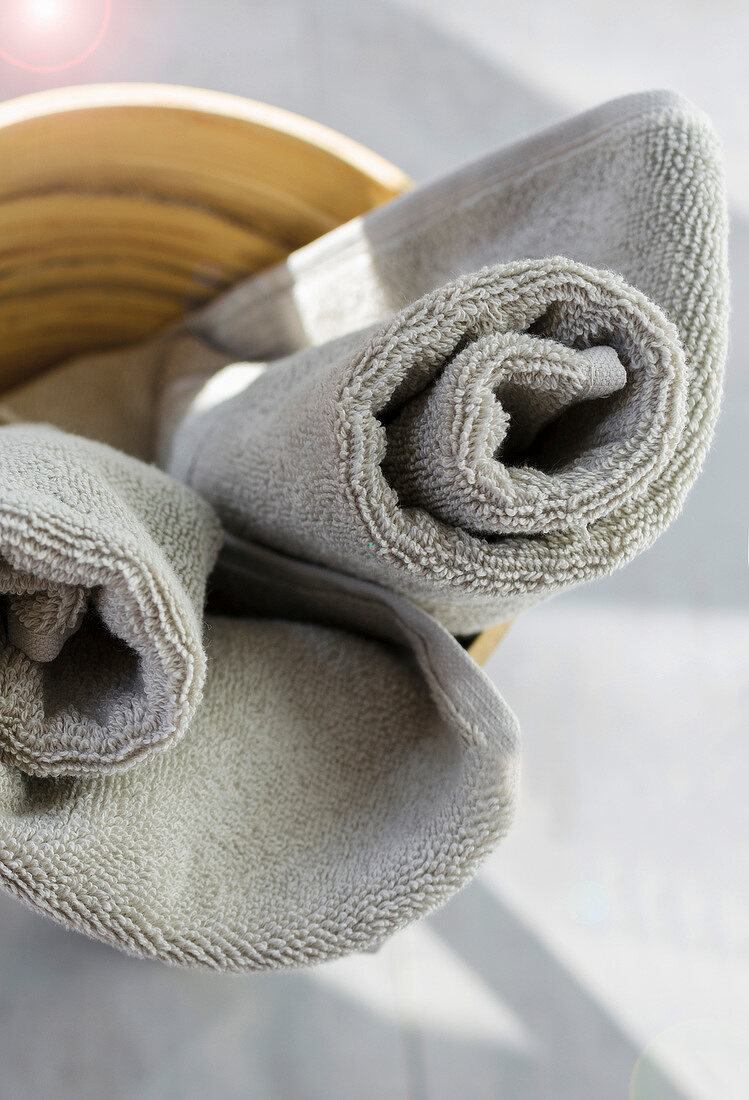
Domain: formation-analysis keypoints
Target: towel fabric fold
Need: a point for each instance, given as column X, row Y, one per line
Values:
column 402, row 456
column 510, row 433
column 433, row 435
column 294, row 821
column 103, row 562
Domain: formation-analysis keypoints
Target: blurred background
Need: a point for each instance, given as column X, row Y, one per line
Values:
column 603, row 953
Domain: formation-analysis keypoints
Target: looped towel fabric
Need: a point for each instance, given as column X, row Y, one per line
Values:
column 497, row 386
column 455, row 453
column 399, row 441
column 348, row 770
column 103, row 562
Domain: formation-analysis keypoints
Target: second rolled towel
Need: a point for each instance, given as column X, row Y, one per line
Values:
column 500, row 439
column 103, row 563
column 347, row 770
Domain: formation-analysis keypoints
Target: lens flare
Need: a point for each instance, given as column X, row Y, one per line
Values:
column 70, row 27
column 44, row 11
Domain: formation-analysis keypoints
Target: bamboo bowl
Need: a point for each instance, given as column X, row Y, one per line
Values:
column 124, row 206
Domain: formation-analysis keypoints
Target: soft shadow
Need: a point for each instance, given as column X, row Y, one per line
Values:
column 109, row 1025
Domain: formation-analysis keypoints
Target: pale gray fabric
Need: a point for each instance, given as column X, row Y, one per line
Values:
column 347, row 770
column 108, row 396
column 417, row 451
column 343, row 776
column 401, row 456
column 349, row 766
column 486, row 410
column 103, row 562
column 635, row 186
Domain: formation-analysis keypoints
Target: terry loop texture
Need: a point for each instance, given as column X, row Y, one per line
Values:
column 343, row 776
column 385, row 457
column 635, row 188
column 289, row 826
column 103, row 563
column 107, row 396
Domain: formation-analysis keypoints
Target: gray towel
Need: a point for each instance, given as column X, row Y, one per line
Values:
column 455, row 453
column 508, row 434
column 293, row 821
column 103, row 562
column 347, row 770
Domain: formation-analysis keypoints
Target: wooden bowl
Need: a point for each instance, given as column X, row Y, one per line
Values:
column 124, row 206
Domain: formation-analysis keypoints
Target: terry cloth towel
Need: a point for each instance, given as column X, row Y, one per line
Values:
column 347, row 771
column 103, row 563
column 433, row 454
column 508, row 433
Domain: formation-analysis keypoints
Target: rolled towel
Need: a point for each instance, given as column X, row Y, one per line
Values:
column 347, row 771
column 456, row 453
column 103, row 562
column 439, row 470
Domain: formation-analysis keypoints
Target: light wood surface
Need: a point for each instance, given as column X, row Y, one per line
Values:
column 484, row 644
column 124, row 206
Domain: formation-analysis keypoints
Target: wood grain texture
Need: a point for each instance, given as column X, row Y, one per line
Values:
column 124, row 206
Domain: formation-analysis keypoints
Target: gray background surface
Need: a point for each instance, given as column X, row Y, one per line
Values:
column 604, row 951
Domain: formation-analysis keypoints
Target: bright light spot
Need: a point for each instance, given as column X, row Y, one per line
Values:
column 47, row 36
column 224, row 385
column 44, row 11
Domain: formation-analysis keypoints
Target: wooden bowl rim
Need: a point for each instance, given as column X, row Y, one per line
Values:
column 178, row 97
